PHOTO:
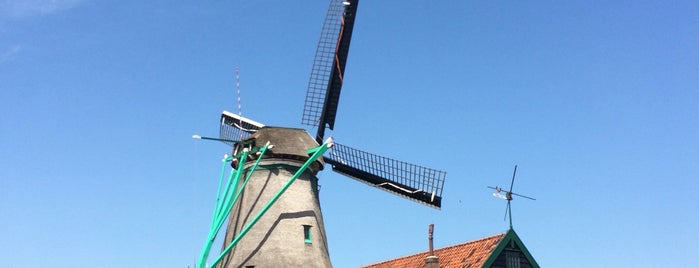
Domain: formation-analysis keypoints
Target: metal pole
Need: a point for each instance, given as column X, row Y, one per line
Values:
column 431, row 231
column 510, row 210
column 197, row 137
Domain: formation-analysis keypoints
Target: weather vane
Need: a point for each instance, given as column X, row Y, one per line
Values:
column 508, row 196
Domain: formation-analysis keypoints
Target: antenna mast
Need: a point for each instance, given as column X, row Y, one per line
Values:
column 240, row 106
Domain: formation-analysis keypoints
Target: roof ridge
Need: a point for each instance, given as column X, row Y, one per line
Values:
column 500, row 235
column 472, row 241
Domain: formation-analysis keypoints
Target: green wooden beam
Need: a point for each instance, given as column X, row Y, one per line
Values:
column 315, row 154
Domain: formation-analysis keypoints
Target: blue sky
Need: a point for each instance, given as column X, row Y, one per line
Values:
column 594, row 100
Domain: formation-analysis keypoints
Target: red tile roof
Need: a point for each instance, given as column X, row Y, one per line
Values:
column 467, row 255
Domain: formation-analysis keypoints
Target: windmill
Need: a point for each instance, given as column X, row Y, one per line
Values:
column 508, row 196
column 271, row 196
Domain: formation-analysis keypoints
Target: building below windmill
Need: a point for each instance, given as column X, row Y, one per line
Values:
column 504, row 250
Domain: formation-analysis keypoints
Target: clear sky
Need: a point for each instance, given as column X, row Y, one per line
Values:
column 596, row 101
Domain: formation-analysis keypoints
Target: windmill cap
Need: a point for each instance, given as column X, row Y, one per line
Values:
column 289, row 143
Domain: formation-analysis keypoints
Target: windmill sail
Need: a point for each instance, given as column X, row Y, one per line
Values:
column 417, row 183
column 235, row 127
column 325, row 83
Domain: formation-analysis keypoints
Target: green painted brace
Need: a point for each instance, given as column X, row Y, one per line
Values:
column 315, row 153
column 224, row 202
column 221, row 202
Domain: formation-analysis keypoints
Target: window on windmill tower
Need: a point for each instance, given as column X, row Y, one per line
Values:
column 307, row 234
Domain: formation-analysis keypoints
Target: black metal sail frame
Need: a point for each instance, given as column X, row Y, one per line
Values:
column 414, row 182
column 327, row 74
